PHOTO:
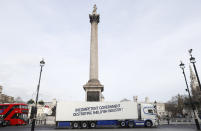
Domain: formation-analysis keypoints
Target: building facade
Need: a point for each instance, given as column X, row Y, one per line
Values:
column 43, row 110
column 5, row 98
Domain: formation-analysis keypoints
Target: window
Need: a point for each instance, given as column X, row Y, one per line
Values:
column 24, row 106
column 150, row 111
column 15, row 116
column 3, row 107
column 24, row 116
column 16, row 106
column 1, row 117
column 20, row 116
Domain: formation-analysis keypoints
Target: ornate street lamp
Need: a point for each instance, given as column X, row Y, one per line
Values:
column 155, row 106
column 192, row 60
column 182, row 66
column 42, row 63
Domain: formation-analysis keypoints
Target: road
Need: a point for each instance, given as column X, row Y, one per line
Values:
column 52, row 128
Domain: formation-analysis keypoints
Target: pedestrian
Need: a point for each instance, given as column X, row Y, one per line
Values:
column 168, row 119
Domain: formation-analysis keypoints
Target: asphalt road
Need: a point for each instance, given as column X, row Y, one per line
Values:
column 52, row 128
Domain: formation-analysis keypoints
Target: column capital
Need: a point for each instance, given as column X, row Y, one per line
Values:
column 94, row 18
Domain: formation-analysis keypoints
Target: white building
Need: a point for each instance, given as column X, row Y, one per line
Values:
column 43, row 110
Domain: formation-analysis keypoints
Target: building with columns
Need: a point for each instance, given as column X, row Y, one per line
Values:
column 93, row 88
column 4, row 98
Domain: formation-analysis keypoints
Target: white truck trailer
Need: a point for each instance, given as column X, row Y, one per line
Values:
column 104, row 114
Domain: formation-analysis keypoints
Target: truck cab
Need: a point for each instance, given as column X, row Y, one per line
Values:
column 148, row 114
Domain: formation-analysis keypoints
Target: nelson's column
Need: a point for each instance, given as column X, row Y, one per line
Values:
column 93, row 88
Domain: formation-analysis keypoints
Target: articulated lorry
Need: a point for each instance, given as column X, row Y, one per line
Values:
column 105, row 114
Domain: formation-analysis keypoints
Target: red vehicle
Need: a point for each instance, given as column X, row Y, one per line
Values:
column 13, row 114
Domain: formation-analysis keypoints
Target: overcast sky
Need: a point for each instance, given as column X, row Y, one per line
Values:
column 140, row 45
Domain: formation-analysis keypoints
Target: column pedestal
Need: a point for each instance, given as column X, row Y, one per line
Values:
column 93, row 90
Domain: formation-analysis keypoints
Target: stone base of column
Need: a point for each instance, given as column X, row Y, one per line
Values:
column 93, row 90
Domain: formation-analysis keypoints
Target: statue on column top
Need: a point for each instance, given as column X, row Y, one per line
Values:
column 94, row 10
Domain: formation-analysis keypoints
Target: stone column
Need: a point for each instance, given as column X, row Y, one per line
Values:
column 94, row 20
column 93, row 88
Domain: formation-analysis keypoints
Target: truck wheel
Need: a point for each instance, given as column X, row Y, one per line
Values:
column 75, row 125
column 148, row 124
column 84, row 124
column 92, row 124
column 122, row 123
column 5, row 123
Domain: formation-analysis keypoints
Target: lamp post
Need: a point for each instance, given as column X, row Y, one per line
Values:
column 42, row 63
column 155, row 106
column 182, row 66
column 192, row 60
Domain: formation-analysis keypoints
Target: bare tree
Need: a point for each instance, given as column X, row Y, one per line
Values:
column 31, row 101
column 177, row 105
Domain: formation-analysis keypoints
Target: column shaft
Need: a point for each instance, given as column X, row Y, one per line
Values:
column 94, row 51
